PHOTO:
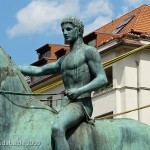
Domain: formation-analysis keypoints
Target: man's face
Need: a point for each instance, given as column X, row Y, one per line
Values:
column 70, row 32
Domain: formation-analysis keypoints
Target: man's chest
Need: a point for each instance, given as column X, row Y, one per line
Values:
column 73, row 61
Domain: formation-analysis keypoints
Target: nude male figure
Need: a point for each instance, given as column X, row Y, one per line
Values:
column 82, row 73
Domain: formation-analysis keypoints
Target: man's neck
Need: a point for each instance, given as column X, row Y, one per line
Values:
column 77, row 44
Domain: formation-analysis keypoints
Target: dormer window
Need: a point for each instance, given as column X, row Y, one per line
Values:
column 123, row 24
column 44, row 54
column 92, row 42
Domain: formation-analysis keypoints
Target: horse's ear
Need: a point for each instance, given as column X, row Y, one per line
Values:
column 5, row 59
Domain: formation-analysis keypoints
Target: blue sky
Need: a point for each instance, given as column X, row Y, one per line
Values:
column 27, row 25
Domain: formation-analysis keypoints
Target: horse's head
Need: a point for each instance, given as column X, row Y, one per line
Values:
column 16, row 107
column 10, row 77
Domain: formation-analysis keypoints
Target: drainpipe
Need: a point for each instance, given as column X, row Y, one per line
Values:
column 138, row 90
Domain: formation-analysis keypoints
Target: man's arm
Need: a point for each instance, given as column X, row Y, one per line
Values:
column 97, row 71
column 47, row 69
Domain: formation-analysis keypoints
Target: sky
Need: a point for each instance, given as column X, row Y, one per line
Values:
column 26, row 25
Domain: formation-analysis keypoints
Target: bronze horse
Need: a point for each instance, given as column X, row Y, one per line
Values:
column 25, row 122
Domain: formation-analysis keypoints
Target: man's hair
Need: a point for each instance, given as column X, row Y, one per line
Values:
column 76, row 22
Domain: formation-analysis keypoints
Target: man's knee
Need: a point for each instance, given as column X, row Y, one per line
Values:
column 57, row 130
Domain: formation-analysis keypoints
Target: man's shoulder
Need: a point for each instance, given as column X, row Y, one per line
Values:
column 90, row 49
column 61, row 59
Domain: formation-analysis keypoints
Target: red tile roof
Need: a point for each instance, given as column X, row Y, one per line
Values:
column 140, row 23
column 52, row 48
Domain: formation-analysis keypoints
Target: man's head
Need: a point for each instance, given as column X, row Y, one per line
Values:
column 75, row 22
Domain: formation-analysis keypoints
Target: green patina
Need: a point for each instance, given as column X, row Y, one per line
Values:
column 28, row 124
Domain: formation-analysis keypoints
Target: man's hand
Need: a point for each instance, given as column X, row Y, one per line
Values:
column 72, row 94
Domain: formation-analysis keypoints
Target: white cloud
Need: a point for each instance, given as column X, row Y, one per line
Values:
column 125, row 9
column 130, row 5
column 99, row 21
column 136, row 3
column 95, row 7
column 102, row 11
column 44, row 15
column 39, row 15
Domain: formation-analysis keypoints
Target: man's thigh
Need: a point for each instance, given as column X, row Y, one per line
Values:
column 70, row 115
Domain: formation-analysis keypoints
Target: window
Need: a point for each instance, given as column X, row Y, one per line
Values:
column 92, row 43
column 62, row 94
column 44, row 54
column 123, row 24
column 50, row 102
column 35, row 79
column 28, row 79
column 109, row 85
column 109, row 75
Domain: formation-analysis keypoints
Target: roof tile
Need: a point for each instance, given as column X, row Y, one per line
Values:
column 139, row 23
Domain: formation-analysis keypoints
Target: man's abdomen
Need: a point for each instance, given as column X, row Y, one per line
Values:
column 77, row 78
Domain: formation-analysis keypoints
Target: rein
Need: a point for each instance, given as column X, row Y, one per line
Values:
column 27, row 94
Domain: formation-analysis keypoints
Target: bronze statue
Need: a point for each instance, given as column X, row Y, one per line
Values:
column 82, row 72
column 28, row 124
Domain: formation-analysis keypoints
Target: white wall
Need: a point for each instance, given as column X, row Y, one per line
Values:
column 129, row 102
column 104, row 104
column 144, row 85
column 144, row 69
column 144, row 99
